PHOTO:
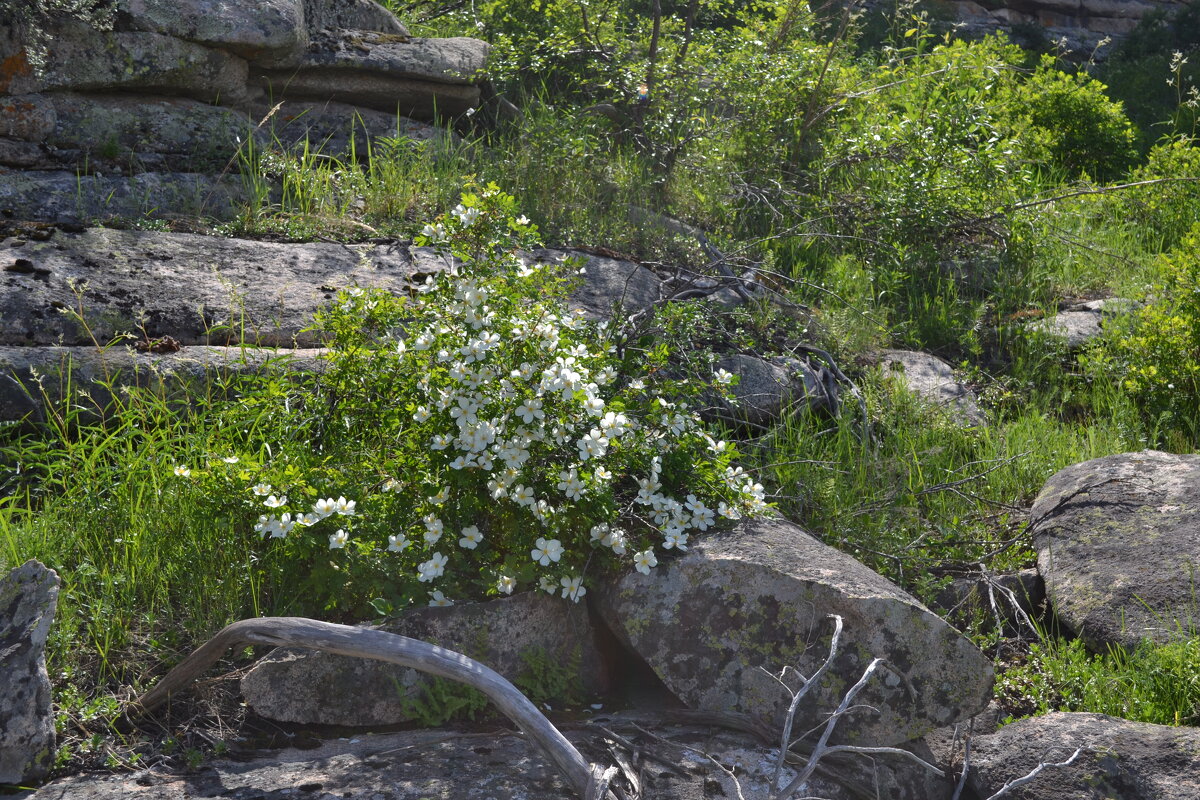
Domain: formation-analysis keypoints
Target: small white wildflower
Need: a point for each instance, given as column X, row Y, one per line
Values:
column 439, row 600
column 471, row 537
column 506, row 584
column 261, row 489
column 182, row 472
column 397, row 543
column 573, row 587
column 546, row 551
column 338, row 540
column 644, row 561
column 275, row 502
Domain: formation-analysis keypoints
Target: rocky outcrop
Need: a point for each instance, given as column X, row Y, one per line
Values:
column 513, row 635
column 1117, row 546
column 767, row 388
column 748, row 602
column 145, row 119
column 28, row 597
column 933, row 380
column 1081, row 23
column 1129, row 760
column 671, row 758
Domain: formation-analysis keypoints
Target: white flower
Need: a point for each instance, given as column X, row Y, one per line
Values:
column 401, row 347
column 325, row 507
column 547, row 585
column 435, row 567
column 421, row 414
column 546, row 551
column 443, row 494
column 570, row 485
column 601, row 474
column 723, row 377
column 614, row 424
column 423, row 342
column 599, row 532
column 522, row 495
column 530, row 410
column 439, row 600
column 594, row 406
column 727, row 511
column 573, row 587
column 182, row 472
column 433, row 528
column 506, row 584
column 675, row 538
column 275, row 502
column 345, row 507
column 616, row 540
column 522, row 220
column 262, row 489
column 466, row 216
column 644, row 560
column 471, row 537
column 308, row 519
column 440, row 442
column 397, row 543
column 338, row 540
column 592, row 444
column 230, row 459
column 391, row 485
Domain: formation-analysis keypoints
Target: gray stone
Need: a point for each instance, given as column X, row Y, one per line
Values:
column 394, row 74
column 932, row 379
column 757, row 598
column 1010, row 602
column 67, row 197
column 767, row 389
column 81, row 58
column 29, row 376
column 28, row 597
column 493, row 765
column 356, row 15
column 1083, row 323
column 1117, row 546
column 337, row 129
column 296, row 685
column 266, row 30
column 1129, row 760
column 608, row 283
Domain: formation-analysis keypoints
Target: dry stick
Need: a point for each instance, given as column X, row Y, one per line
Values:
column 1006, row 788
column 789, row 720
column 364, row 643
column 962, row 779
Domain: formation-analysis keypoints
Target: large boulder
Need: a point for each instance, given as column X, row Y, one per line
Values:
column 1126, row 760
column 767, row 389
column 391, row 73
column 266, row 31
column 355, row 15
column 932, row 379
column 513, row 635
column 28, row 597
column 1078, row 325
column 1117, row 546
column 739, row 606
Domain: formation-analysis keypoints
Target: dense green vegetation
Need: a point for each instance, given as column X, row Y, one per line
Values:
column 925, row 193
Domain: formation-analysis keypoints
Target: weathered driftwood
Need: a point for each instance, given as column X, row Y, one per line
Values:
column 588, row 781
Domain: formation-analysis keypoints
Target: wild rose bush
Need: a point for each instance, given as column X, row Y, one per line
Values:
column 489, row 438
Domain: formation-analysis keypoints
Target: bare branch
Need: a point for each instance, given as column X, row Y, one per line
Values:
column 1008, row 787
column 784, row 745
column 365, row 643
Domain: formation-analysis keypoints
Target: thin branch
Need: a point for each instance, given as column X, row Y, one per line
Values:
column 378, row 645
column 1066, row 195
column 1013, row 784
column 798, row 696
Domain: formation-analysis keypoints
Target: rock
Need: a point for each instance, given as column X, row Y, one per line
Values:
column 1130, row 760
column 932, row 379
column 267, row 31
column 393, row 74
column 197, row 289
column 1117, row 546
column 767, row 389
column 608, row 283
column 174, row 375
column 81, row 132
column 81, row 58
column 338, row 129
column 1081, row 324
column 757, row 598
column 483, row 765
column 28, row 597
column 67, row 197
column 295, row 685
column 355, row 15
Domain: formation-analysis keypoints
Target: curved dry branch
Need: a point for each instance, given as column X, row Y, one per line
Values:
column 365, row 643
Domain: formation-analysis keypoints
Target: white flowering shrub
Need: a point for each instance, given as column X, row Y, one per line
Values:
column 489, row 438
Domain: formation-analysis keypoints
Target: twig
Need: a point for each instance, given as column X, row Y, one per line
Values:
column 808, row 683
column 962, row 779
column 1006, row 788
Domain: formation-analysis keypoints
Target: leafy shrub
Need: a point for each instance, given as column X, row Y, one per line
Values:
column 1155, row 355
column 1154, row 683
column 1068, row 122
column 489, row 439
column 1165, row 211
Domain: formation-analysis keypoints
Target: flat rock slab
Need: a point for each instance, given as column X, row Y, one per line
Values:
column 482, row 765
column 1117, row 546
column 757, row 598
column 1130, row 760
column 932, row 379
column 267, row 30
column 304, row 686
column 28, row 598
column 212, row 290
column 395, row 74
column 64, row 196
